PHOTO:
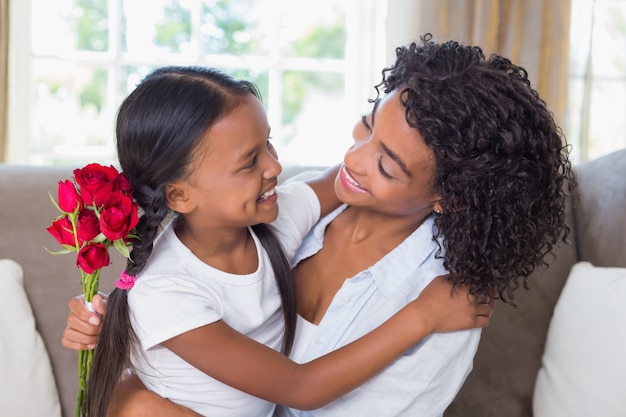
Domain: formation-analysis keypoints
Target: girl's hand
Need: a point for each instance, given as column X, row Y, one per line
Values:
column 83, row 326
column 444, row 308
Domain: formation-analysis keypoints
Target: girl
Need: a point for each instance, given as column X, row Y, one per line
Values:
column 203, row 308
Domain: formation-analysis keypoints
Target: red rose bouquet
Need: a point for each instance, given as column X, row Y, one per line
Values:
column 97, row 212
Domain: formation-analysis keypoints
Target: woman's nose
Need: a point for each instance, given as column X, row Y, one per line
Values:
column 360, row 133
column 356, row 156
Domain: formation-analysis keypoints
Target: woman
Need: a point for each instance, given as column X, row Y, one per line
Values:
column 459, row 168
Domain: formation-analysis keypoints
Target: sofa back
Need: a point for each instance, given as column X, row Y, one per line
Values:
column 50, row 280
column 510, row 352
column 600, row 216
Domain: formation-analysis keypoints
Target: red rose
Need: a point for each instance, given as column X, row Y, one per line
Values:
column 118, row 216
column 123, row 185
column 69, row 198
column 87, row 226
column 61, row 230
column 91, row 257
column 95, row 182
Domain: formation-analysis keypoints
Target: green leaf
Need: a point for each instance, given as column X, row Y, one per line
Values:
column 99, row 239
column 122, row 248
column 69, row 249
column 55, row 203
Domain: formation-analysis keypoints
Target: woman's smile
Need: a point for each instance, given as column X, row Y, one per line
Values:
column 349, row 183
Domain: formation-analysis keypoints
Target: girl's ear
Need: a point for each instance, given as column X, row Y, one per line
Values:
column 177, row 198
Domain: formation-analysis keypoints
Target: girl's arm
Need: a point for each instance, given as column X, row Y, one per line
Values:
column 132, row 399
column 249, row 366
column 324, row 187
column 437, row 308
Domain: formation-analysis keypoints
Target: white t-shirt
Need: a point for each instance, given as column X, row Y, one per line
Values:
column 177, row 292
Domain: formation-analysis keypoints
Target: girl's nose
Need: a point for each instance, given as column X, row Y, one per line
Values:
column 272, row 168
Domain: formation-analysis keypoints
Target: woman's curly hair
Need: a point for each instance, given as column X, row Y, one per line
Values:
column 502, row 167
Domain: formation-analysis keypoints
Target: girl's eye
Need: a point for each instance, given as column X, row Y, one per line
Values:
column 251, row 164
column 382, row 171
column 365, row 122
column 271, row 149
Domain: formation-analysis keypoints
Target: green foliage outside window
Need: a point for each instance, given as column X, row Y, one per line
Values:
column 176, row 29
column 322, row 42
column 226, row 29
column 92, row 29
column 94, row 93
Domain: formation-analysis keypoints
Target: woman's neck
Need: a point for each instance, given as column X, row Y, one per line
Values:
column 361, row 224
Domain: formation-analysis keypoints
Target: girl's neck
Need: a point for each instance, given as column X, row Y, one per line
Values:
column 227, row 249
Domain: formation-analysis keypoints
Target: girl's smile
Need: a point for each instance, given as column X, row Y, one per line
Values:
column 269, row 197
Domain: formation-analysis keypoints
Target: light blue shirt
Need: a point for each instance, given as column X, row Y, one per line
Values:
column 427, row 377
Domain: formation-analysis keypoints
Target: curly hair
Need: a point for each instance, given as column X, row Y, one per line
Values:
column 502, row 167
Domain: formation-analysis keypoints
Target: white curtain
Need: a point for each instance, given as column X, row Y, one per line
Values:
column 4, row 53
column 532, row 33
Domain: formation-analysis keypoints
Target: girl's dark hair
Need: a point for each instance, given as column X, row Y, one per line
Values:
column 502, row 164
column 159, row 126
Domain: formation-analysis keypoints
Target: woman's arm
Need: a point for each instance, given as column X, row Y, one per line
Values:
column 234, row 359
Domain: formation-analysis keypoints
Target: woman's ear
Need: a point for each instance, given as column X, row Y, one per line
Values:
column 177, row 198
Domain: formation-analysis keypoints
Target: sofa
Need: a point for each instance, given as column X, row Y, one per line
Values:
column 38, row 376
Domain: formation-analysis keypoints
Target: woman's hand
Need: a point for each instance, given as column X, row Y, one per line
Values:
column 444, row 308
column 83, row 326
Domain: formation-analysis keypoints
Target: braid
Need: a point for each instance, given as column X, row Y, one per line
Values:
column 112, row 354
column 155, row 211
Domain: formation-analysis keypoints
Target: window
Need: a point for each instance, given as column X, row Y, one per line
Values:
column 73, row 61
column 596, row 119
column 85, row 56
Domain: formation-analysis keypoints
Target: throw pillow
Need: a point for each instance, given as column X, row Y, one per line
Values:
column 583, row 370
column 26, row 378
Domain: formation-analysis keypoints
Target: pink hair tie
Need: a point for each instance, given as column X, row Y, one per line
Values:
column 125, row 281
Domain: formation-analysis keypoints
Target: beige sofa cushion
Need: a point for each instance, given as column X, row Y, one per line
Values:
column 24, row 361
column 583, row 369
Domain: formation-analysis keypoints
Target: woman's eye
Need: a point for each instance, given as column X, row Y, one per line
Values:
column 381, row 169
